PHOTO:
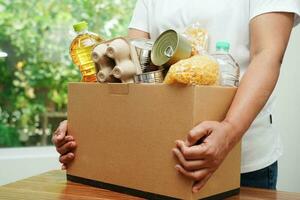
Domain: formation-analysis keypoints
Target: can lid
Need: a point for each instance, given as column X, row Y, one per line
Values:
column 223, row 45
column 80, row 26
column 164, row 47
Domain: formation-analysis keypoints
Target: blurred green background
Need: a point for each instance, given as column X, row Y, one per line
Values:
column 36, row 34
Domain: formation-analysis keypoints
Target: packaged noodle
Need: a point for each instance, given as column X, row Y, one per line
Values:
column 198, row 37
column 197, row 70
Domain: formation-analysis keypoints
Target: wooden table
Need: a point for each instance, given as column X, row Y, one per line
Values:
column 54, row 186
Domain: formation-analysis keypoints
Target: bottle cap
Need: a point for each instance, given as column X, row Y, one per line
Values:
column 78, row 27
column 223, row 45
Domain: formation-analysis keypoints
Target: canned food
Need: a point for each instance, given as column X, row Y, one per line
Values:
column 169, row 48
column 144, row 47
column 150, row 77
column 145, row 59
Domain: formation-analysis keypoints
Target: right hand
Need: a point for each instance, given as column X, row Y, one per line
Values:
column 65, row 144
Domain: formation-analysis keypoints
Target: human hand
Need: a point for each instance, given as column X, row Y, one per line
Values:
column 200, row 161
column 65, row 144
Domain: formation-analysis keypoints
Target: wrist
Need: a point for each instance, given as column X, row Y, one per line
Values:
column 234, row 132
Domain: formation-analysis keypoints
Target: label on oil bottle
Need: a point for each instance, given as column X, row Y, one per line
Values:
column 88, row 42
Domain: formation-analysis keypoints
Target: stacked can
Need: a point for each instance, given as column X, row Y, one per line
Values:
column 151, row 73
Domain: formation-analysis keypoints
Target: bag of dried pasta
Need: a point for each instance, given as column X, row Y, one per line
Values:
column 197, row 70
column 198, row 36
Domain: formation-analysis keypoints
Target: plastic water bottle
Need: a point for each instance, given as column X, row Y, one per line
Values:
column 229, row 68
column 81, row 51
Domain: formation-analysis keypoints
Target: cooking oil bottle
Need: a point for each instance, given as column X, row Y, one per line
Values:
column 81, row 51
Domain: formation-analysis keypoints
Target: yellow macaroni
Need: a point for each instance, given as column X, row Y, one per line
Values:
column 197, row 70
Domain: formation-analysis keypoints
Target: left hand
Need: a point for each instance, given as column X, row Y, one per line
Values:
column 200, row 161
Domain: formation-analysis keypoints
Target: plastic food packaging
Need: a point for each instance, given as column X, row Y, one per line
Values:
column 229, row 68
column 198, row 36
column 81, row 50
column 197, row 70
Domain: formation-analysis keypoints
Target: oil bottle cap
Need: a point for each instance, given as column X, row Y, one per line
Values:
column 78, row 27
column 223, row 45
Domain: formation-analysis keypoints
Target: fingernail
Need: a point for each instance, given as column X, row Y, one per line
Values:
column 177, row 167
column 71, row 144
column 195, row 190
column 192, row 132
column 174, row 151
column 59, row 135
column 178, row 143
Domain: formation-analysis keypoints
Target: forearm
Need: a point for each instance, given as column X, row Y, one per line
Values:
column 134, row 33
column 269, row 38
column 254, row 91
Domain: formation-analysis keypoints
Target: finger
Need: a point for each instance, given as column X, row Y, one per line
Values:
column 66, row 159
column 198, row 132
column 188, row 165
column 197, row 152
column 67, row 139
column 58, row 139
column 60, row 133
column 199, row 184
column 67, row 147
column 194, row 175
column 63, row 167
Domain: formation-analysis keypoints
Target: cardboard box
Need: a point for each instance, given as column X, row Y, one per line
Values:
column 125, row 134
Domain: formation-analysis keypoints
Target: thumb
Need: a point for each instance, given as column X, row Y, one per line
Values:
column 60, row 132
column 198, row 132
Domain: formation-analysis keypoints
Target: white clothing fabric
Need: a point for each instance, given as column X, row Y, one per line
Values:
column 225, row 20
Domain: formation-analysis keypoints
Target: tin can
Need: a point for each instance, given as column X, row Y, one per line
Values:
column 145, row 59
column 169, row 48
column 144, row 48
column 150, row 77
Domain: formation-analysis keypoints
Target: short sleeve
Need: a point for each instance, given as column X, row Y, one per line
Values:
column 139, row 18
column 258, row 7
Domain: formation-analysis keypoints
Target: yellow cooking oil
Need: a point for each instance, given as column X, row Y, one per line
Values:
column 81, row 51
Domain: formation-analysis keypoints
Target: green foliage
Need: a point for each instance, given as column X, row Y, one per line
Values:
column 9, row 136
column 36, row 34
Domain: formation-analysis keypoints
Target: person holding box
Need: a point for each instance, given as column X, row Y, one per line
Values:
column 259, row 33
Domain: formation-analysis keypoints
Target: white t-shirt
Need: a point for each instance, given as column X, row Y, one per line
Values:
column 225, row 20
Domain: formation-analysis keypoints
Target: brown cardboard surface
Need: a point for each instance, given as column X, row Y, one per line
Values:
column 125, row 134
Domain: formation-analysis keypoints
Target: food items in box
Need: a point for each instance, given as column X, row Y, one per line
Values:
column 144, row 48
column 198, row 37
column 169, row 48
column 117, row 58
column 81, row 51
column 150, row 77
column 229, row 68
column 197, row 70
